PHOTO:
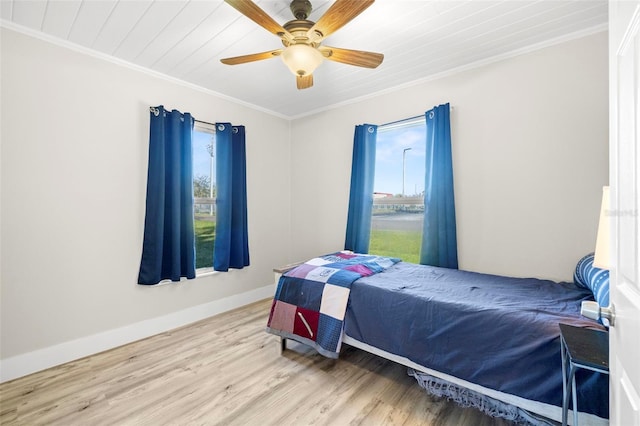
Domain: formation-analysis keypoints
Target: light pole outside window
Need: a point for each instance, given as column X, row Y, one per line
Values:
column 404, row 154
column 211, row 150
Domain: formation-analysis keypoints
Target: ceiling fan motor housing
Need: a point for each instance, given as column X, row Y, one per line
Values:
column 299, row 30
column 300, row 26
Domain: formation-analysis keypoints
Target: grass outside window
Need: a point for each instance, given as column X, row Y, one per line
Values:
column 402, row 244
column 205, row 230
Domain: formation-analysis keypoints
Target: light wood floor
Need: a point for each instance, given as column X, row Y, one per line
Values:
column 226, row 370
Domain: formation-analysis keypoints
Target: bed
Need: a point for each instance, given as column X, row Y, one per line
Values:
column 486, row 341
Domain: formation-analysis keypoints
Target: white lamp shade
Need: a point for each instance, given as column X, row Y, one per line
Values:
column 302, row 59
column 601, row 259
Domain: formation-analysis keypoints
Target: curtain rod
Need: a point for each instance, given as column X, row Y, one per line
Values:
column 402, row 121
column 154, row 110
column 205, row 122
column 408, row 119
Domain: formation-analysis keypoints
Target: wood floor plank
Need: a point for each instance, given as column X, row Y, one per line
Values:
column 226, row 370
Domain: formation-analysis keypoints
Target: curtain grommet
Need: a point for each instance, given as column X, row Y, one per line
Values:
column 221, row 127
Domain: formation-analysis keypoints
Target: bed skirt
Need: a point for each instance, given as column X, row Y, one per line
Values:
column 467, row 398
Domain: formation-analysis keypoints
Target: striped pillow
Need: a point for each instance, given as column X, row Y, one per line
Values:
column 595, row 279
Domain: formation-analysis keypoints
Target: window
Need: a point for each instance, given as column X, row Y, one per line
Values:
column 204, row 193
column 172, row 234
column 398, row 199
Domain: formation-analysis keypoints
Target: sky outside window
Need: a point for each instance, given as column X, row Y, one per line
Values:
column 390, row 145
column 201, row 158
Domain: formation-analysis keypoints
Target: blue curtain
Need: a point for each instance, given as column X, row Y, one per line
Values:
column 168, row 250
column 231, row 248
column 363, row 165
column 439, row 242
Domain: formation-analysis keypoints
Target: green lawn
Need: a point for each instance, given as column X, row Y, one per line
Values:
column 205, row 236
column 402, row 244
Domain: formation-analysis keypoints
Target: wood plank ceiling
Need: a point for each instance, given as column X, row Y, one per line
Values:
column 186, row 39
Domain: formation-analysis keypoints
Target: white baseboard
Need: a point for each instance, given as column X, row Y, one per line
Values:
column 31, row 362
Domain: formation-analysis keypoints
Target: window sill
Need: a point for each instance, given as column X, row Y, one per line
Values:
column 205, row 272
column 200, row 273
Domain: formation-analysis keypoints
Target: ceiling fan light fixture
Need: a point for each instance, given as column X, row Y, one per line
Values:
column 302, row 59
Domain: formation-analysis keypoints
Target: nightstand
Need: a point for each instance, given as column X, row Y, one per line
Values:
column 580, row 348
column 277, row 272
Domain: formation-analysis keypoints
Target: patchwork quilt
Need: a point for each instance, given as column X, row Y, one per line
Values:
column 311, row 299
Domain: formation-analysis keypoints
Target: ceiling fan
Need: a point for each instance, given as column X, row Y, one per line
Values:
column 302, row 38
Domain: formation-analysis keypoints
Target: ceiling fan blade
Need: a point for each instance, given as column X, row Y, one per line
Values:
column 304, row 81
column 259, row 16
column 338, row 15
column 352, row 57
column 251, row 58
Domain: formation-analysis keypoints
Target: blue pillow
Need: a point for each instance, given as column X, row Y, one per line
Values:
column 595, row 279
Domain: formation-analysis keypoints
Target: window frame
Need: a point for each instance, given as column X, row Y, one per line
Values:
column 385, row 201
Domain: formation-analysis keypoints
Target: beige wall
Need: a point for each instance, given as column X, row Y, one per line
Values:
column 530, row 152
column 74, row 163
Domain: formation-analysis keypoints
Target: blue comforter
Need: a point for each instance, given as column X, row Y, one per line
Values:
column 501, row 333
column 311, row 299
